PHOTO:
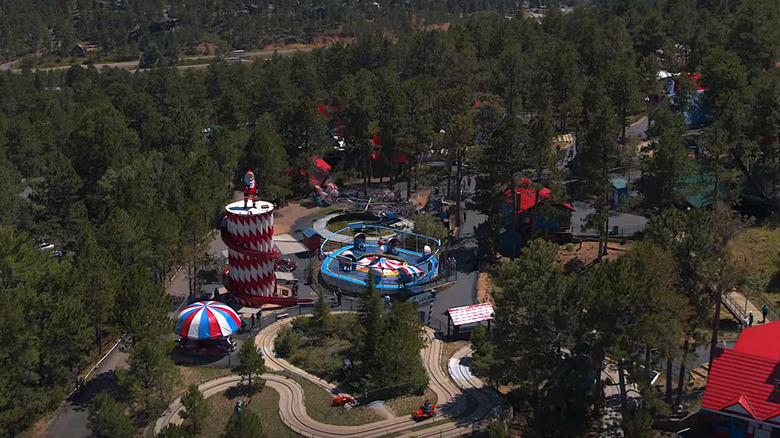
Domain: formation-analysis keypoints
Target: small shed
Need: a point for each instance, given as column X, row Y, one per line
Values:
column 464, row 319
column 312, row 240
column 619, row 191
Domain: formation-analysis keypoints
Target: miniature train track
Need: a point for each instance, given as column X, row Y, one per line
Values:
column 452, row 397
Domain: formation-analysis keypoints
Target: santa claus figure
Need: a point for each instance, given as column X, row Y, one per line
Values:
column 250, row 188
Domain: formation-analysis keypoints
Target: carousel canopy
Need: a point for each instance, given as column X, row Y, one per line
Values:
column 207, row 320
column 381, row 262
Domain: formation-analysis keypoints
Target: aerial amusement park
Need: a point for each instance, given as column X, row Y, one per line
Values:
column 357, row 243
column 376, row 245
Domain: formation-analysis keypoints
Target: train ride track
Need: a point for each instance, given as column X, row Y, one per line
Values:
column 462, row 398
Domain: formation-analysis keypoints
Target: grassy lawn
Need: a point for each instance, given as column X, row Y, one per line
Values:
column 403, row 406
column 197, row 374
column 321, row 354
column 754, row 256
column 317, row 401
column 265, row 404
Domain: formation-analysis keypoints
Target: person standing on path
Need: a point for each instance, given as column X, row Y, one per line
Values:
column 750, row 319
column 764, row 313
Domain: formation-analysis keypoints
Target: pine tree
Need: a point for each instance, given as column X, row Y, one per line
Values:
column 150, row 378
column 108, row 418
column 398, row 354
column 173, row 431
column 142, row 305
column 251, row 361
column 369, row 327
column 247, row 424
column 321, row 318
column 195, row 409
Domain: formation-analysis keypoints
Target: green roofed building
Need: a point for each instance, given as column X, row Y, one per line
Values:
column 697, row 191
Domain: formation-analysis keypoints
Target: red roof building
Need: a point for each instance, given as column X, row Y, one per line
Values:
column 464, row 319
column 743, row 387
column 525, row 196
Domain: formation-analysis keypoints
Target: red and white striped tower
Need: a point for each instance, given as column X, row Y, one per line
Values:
column 249, row 235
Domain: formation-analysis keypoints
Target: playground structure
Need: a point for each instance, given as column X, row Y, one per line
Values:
column 249, row 235
column 400, row 262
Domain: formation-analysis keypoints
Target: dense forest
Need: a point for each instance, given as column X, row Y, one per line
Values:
column 123, row 29
column 126, row 173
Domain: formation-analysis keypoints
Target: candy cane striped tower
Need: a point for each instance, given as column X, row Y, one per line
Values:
column 249, row 235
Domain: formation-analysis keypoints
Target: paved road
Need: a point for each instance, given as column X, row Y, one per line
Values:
column 451, row 397
column 463, row 248
column 627, row 223
column 71, row 418
column 639, row 129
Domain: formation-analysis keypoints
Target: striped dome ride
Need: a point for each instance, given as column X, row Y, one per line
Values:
column 207, row 320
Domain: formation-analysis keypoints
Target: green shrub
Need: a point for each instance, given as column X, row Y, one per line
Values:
column 287, row 341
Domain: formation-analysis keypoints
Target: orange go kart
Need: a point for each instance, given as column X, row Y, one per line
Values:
column 342, row 400
column 425, row 411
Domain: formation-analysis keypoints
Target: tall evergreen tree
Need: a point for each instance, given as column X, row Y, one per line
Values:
column 369, row 325
column 251, row 361
column 247, row 424
column 108, row 418
column 666, row 172
column 320, row 316
column 398, row 356
column 195, row 409
column 150, row 378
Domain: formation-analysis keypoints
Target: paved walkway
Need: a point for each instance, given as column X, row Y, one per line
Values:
column 321, row 226
column 612, row 416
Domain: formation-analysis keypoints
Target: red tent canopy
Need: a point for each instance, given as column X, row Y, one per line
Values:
column 321, row 164
column 525, row 196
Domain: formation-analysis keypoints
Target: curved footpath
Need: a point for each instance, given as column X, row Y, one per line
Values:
column 452, row 390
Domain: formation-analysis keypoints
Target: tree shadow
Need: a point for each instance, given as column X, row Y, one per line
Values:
column 241, row 390
column 180, row 356
column 82, row 398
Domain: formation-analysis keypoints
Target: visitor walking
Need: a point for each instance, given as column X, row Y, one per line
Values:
column 253, row 320
column 764, row 313
column 750, row 319
column 387, row 301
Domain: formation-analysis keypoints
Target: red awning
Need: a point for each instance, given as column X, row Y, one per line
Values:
column 471, row 314
column 526, row 198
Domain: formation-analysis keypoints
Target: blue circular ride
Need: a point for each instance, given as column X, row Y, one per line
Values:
column 399, row 261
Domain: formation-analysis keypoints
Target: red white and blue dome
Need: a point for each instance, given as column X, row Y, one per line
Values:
column 207, row 320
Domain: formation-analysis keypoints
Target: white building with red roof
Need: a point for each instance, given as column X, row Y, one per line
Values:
column 743, row 387
column 464, row 319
